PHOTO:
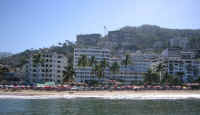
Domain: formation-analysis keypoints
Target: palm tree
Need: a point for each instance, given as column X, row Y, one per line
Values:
column 2, row 71
column 69, row 73
column 104, row 63
column 83, row 61
column 167, row 78
column 160, row 68
column 102, row 67
column 92, row 61
column 180, row 76
column 126, row 61
column 114, row 68
column 97, row 69
column 171, row 67
column 149, row 77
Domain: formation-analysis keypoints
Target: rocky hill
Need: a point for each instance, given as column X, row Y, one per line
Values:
column 143, row 37
column 4, row 54
column 19, row 59
column 125, row 39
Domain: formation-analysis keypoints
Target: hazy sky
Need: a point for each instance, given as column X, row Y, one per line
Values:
column 26, row 24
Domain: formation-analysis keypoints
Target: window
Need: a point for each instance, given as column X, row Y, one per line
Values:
column 34, row 65
column 59, row 57
column 58, row 61
column 58, row 71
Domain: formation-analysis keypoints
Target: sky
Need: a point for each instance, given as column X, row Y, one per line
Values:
column 26, row 24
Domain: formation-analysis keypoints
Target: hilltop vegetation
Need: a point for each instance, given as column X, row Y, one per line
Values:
column 19, row 59
column 126, row 39
column 142, row 37
column 5, row 54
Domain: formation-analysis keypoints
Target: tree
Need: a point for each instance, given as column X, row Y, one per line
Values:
column 69, row 73
column 102, row 67
column 126, row 61
column 167, row 78
column 150, row 77
column 2, row 71
column 104, row 63
column 160, row 68
column 180, row 76
column 97, row 69
column 114, row 68
column 171, row 67
column 83, row 61
column 37, row 58
column 92, row 61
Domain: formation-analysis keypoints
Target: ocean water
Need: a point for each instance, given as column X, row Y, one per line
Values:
column 92, row 106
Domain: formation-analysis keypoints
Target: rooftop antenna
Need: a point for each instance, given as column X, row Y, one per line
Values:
column 107, row 44
column 105, row 30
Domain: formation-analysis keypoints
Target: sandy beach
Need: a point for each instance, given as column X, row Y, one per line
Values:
column 148, row 94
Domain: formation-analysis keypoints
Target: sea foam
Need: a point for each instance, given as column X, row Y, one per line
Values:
column 116, row 97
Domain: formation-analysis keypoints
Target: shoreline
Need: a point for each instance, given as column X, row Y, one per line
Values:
column 132, row 95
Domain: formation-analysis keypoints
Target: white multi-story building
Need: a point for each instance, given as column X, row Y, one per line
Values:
column 143, row 61
column 50, row 69
column 100, row 54
column 127, row 74
column 85, row 73
column 180, row 61
column 134, row 72
column 190, row 68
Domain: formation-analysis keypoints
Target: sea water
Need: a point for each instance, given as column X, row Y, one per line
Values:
column 95, row 106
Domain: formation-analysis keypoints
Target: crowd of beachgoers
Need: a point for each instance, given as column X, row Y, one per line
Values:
column 95, row 88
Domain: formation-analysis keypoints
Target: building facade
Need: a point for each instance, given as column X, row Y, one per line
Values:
column 84, row 74
column 182, row 63
column 133, row 72
column 50, row 69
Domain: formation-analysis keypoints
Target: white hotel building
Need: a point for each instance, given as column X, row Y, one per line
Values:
column 85, row 73
column 133, row 72
column 50, row 70
column 186, row 62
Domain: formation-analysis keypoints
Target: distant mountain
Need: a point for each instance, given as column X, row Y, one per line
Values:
column 128, row 38
column 5, row 54
column 142, row 37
